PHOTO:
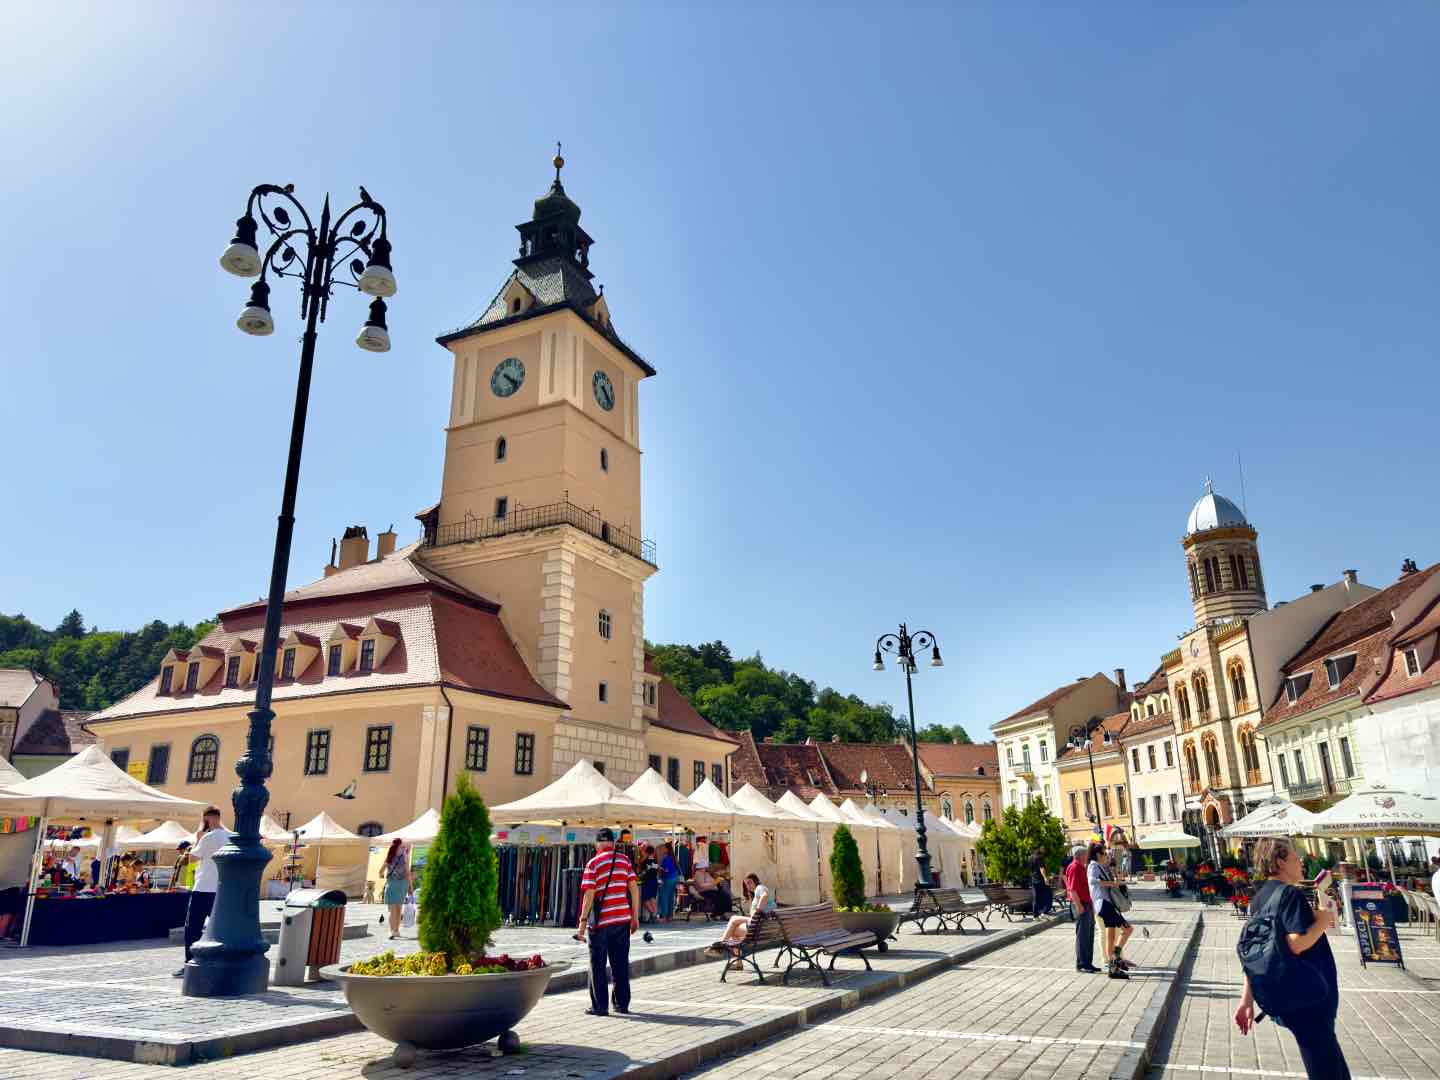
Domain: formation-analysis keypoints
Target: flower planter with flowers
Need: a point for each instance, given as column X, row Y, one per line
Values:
column 1173, row 885
column 452, row 994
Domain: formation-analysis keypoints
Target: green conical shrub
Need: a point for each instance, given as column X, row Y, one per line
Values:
column 846, row 875
column 460, row 899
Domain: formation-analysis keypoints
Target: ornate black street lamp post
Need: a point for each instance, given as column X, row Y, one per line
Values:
column 875, row 790
column 903, row 646
column 1080, row 740
column 230, row 959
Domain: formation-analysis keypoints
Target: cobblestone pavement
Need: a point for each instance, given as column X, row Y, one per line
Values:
column 672, row 1012
column 1024, row 1010
column 1389, row 1019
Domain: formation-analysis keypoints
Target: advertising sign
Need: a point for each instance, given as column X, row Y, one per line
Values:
column 136, row 769
column 1370, row 914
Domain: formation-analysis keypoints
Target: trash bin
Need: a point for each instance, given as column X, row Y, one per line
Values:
column 312, row 923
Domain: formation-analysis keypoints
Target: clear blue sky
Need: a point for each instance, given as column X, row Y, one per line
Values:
column 953, row 309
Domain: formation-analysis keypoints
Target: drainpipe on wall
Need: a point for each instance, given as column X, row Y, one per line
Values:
column 449, row 732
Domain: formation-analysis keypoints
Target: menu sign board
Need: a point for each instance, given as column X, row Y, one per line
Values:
column 1370, row 914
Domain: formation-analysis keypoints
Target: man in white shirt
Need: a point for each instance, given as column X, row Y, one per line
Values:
column 202, row 895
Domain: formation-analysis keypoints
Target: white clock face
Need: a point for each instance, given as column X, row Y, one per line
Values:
column 508, row 376
column 604, row 391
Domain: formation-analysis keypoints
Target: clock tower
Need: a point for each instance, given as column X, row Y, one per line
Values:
column 540, row 499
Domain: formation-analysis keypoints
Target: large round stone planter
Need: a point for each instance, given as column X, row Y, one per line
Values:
column 443, row 1012
column 880, row 923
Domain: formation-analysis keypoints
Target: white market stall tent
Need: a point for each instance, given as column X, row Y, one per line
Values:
column 781, row 850
column 88, row 787
column 906, row 869
column 669, row 807
column 881, row 853
column 804, row 871
column 583, row 796
column 340, row 855
column 423, row 830
column 9, row 775
column 167, row 836
column 792, row 804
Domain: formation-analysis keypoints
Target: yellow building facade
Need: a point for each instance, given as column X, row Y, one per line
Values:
column 1093, row 805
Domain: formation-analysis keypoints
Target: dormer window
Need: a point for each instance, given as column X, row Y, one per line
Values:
column 167, row 678
column 1295, row 687
column 376, row 641
column 367, row 655
column 232, row 673
column 335, row 660
column 500, row 448
column 515, row 306
column 192, row 676
column 287, row 665
column 1412, row 663
column 1337, row 668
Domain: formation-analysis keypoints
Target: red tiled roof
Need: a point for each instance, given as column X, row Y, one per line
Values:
column 388, row 627
column 1048, row 701
column 775, row 768
column 16, row 686
column 1115, row 724
column 885, row 763
column 1146, row 724
column 56, row 732
column 1358, row 620
column 677, row 714
column 957, row 759
column 475, row 653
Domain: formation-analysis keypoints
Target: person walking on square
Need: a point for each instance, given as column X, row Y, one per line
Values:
column 1117, row 930
column 1298, row 985
column 212, row 838
column 399, row 883
column 669, row 879
column 609, row 914
column 1077, row 887
column 1041, row 893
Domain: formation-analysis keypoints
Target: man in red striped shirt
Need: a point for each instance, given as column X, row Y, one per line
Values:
column 609, row 914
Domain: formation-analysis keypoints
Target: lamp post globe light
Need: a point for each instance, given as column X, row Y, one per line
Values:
column 230, row 958
column 902, row 646
column 1080, row 740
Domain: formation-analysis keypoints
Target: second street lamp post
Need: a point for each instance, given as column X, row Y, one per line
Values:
column 875, row 790
column 230, row 958
column 1080, row 740
column 903, row 646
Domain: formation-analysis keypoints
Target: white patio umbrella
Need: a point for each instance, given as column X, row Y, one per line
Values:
column 1273, row 817
column 89, row 786
column 422, row 830
column 1379, row 812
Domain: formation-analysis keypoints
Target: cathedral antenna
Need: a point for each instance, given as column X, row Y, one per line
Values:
column 559, row 163
column 1243, row 508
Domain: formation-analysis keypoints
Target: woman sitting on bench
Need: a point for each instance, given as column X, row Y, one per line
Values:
column 761, row 902
column 708, row 895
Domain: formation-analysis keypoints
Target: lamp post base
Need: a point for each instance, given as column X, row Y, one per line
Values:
column 230, row 959
column 226, row 977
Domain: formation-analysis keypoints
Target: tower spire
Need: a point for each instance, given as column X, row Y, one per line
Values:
column 559, row 163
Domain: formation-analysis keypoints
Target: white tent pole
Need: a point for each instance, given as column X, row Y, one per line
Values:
column 35, row 862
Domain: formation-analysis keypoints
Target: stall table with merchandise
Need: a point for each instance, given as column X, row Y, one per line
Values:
column 84, row 920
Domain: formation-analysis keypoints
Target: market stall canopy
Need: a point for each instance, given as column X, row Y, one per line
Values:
column 161, row 838
column 271, row 832
column 9, row 775
column 59, row 844
column 324, row 831
column 893, row 818
column 422, row 830
column 822, row 807
column 669, row 806
column 749, row 799
column 582, row 796
column 1275, row 816
column 1381, row 812
column 795, row 805
column 855, row 814
column 88, row 786
column 712, row 798
column 1157, row 841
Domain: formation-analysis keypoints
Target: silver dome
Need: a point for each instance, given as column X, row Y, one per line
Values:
column 1213, row 512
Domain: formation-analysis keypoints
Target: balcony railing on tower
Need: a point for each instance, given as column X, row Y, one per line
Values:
column 529, row 518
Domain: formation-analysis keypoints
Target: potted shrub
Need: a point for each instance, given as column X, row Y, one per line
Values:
column 849, row 891
column 452, row 993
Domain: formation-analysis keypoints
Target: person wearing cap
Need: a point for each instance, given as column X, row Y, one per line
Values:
column 1077, row 886
column 609, row 914
column 212, row 838
column 182, row 861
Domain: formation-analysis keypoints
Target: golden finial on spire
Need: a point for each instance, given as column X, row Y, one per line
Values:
column 559, row 163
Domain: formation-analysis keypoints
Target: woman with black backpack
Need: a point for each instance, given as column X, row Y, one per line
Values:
column 1289, row 968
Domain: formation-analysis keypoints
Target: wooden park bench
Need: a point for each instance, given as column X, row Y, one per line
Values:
column 764, row 933
column 1010, row 900
column 947, row 907
column 808, row 933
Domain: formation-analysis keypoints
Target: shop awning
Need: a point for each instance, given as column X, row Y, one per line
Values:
column 1381, row 812
column 1156, row 841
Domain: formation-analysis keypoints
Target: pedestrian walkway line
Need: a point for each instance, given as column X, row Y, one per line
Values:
column 1230, row 1070
column 1024, row 967
column 972, row 1036
column 662, row 1002
column 69, row 984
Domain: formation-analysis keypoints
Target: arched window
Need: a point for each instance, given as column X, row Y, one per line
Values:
column 1250, row 754
column 604, row 460
column 1212, row 573
column 1238, row 575
column 1192, row 764
column 1212, row 759
column 204, row 757
column 1238, row 691
column 372, row 828
column 605, row 624
column 1182, row 695
column 1194, row 581
column 985, row 810
column 1202, row 694
column 501, row 446
column 945, row 809
column 969, row 812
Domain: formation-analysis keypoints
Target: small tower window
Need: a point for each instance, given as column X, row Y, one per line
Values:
column 604, row 692
column 502, row 506
column 167, row 677
column 604, row 460
column 605, row 624
column 367, row 654
column 500, row 448
column 515, row 305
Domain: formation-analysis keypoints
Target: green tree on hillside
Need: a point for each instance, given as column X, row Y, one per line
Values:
column 942, row 734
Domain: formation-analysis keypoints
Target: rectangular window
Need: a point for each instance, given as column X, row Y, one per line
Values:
column 367, row 654
column 656, row 763
column 1150, row 753
column 377, row 748
column 1346, row 762
column 1141, row 804
column 1135, row 758
column 524, row 755
column 477, row 748
column 1009, row 750
column 287, row 665
column 604, row 692
column 1299, row 767
column 1044, row 750
column 1159, row 814
column 1175, row 807
column 317, row 752
column 192, row 677
column 672, row 772
column 1327, row 774
column 717, row 776
column 1105, row 800
column 1074, row 807
column 1120, row 804
column 232, row 672
column 167, row 677
column 332, row 664
column 699, row 773
column 158, row 767
column 1284, row 769
column 604, row 622
column 1412, row 663
column 1089, row 806
column 1169, row 755
column 650, row 695
column 1337, row 668
column 502, row 506
column 121, row 758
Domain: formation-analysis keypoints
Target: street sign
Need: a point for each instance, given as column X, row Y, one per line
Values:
column 1370, row 913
